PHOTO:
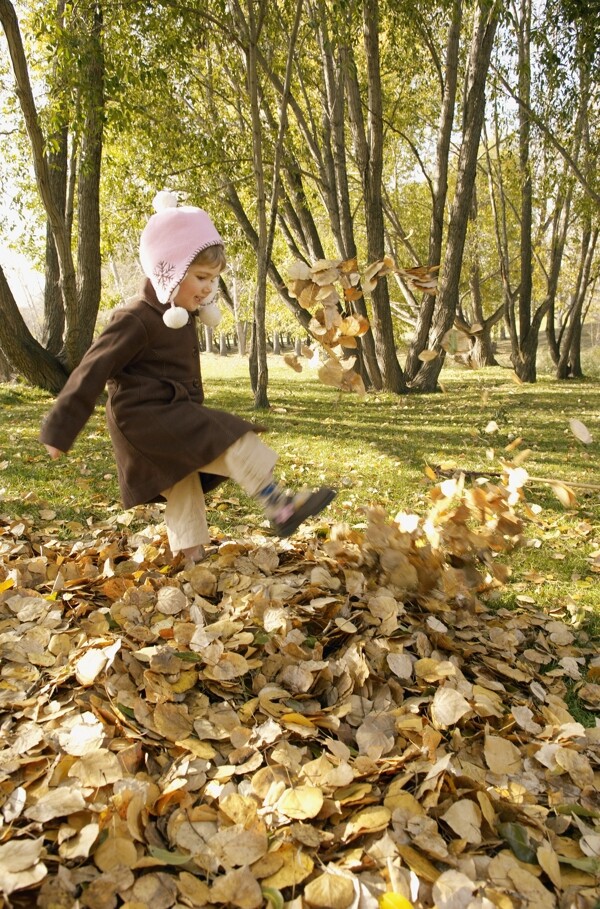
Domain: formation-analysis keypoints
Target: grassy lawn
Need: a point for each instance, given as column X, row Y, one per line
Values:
column 375, row 451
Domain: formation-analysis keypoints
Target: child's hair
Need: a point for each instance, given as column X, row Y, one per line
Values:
column 213, row 256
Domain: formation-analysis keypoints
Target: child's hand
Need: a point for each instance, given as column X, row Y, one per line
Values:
column 53, row 452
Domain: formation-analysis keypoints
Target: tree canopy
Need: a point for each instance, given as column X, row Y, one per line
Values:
column 463, row 135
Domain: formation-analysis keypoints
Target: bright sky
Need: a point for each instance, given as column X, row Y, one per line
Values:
column 24, row 282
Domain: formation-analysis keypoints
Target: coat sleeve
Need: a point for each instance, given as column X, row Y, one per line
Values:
column 124, row 338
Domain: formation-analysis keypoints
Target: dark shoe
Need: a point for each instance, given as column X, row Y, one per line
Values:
column 291, row 509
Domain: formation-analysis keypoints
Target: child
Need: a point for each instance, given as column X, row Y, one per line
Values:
column 167, row 444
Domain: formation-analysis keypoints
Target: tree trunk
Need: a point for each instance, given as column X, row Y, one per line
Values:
column 251, row 25
column 81, row 326
column 484, row 29
column 440, row 186
column 79, row 300
column 10, row 24
column 54, row 309
column 368, row 147
column 23, row 352
column 569, row 363
column 482, row 352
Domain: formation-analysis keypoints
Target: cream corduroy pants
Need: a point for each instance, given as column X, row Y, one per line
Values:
column 248, row 461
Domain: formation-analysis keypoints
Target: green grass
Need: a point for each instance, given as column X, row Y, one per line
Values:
column 374, row 451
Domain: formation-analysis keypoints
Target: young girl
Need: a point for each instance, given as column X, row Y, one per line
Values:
column 167, row 444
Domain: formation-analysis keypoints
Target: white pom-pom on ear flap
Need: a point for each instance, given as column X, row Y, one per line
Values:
column 210, row 315
column 164, row 199
column 175, row 317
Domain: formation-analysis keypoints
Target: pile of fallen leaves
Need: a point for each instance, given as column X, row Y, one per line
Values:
column 336, row 723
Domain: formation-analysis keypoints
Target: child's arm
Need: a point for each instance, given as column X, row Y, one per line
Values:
column 121, row 341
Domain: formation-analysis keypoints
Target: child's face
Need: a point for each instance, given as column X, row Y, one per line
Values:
column 199, row 282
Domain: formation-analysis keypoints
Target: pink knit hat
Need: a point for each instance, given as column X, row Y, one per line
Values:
column 170, row 242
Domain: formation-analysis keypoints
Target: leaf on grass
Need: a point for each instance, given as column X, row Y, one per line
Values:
column 580, row 431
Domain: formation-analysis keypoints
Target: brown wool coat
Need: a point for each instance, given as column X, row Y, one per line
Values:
column 160, row 429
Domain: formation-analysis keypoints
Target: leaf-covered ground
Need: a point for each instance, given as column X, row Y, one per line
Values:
column 335, row 723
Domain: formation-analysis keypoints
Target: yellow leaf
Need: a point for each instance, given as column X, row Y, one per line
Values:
column 421, row 866
column 549, row 862
column 394, row 901
column 173, row 721
column 464, row 817
column 448, row 707
column 308, row 297
column 297, row 719
column 369, row 819
column 299, row 271
column 230, row 666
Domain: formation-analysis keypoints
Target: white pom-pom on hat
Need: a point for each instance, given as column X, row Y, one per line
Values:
column 209, row 315
column 164, row 199
column 175, row 316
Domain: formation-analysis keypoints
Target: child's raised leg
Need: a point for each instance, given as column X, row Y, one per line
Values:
column 250, row 463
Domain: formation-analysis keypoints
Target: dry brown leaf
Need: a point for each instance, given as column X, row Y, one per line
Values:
column 448, row 707
column 330, row 891
column 292, row 361
column 115, row 852
column 464, row 817
column 580, row 431
column 300, row 803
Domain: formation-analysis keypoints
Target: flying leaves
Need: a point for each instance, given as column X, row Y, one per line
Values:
column 329, row 289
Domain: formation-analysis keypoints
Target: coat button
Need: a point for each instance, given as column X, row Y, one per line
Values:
column 196, row 383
